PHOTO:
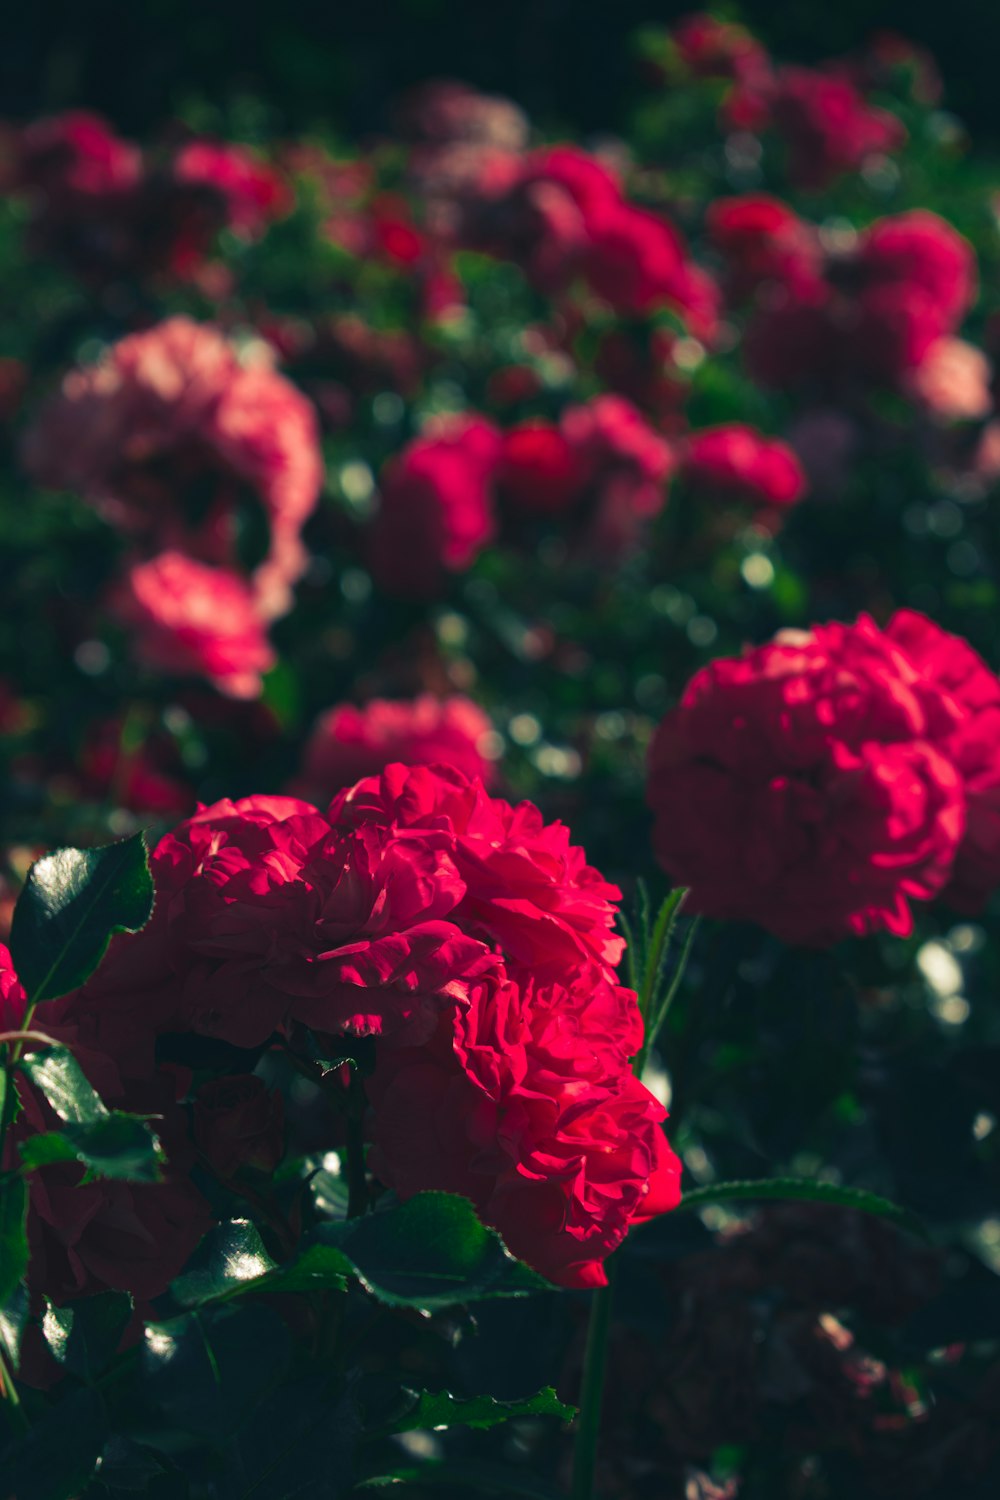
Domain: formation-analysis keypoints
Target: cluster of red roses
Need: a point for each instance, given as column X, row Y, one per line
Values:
column 821, row 115
column 819, row 784
column 881, row 306
column 469, row 938
column 110, row 210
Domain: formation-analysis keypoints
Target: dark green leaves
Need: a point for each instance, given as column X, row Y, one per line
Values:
column 117, row 1146
column 229, row 1261
column 13, row 1235
column 73, row 903
column 431, row 1252
column 84, row 1336
column 56, row 1073
column 803, row 1190
column 441, row 1409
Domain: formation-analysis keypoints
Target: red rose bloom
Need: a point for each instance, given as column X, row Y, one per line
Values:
column 13, row 1000
column 737, row 462
column 179, row 442
column 470, row 939
column 807, row 786
column 73, row 156
column 348, row 743
column 527, row 888
column 253, row 194
column 829, row 127
column 637, row 261
column 436, row 510
column 266, row 914
column 712, row 48
column 191, row 620
column 922, row 250
column 539, row 470
column 973, row 746
column 524, row 1103
column 763, row 241
column 625, row 468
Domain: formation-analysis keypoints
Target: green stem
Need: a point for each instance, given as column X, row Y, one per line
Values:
column 653, row 1030
column 595, row 1361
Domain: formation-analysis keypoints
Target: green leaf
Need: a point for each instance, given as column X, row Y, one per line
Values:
column 117, row 1145
column 430, row 1252
column 13, row 1318
column 57, row 1074
column 230, row 1260
column 441, row 1409
column 84, row 1336
column 804, row 1190
column 13, row 1236
column 72, row 904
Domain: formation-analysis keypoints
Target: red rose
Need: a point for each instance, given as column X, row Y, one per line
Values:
column 712, row 48
column 625, row 468
column 829, row 127
column 72, row 156
column 180, row 442
column 348, row 743
column 252, row 194
column 13, row 1000
column 637, row 261
column 436, row 510
column 265, row 914
column 737, row 462
column 526, row 887
column 890, row 329
column 539, row 471
column 807, row 786
column 922, row 250
column 763, row 240
column 239, row 1122
column 973, row 746
column 195, row 621
column 524, row 1103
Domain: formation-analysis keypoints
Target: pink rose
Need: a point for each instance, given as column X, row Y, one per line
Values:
column 192, row 620
column 348, row 743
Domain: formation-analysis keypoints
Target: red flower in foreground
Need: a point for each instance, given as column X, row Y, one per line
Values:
column 13, row 1000
column 436, row 510
column 810, row 785
column 195, row 621
column 471, row 940
column 735, row 462
column 348, row 743
column 524, row 1105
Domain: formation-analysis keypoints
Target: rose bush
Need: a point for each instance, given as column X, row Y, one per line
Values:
column 377, row 508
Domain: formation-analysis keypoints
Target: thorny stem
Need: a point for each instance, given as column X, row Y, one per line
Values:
column 595, row 1359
